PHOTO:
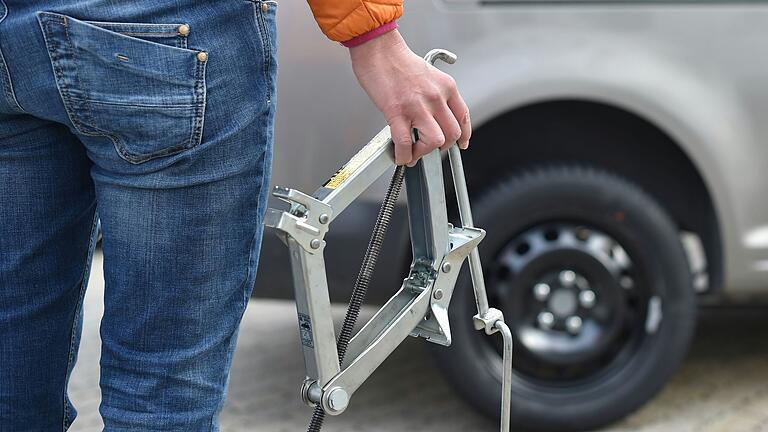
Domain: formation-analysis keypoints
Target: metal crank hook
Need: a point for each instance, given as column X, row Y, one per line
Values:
column 432, row 57
column 440, row 54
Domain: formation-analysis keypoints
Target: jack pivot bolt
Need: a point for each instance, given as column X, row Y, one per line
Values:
column 338, row 399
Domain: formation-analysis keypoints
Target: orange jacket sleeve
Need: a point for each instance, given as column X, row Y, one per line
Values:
column 342, row 20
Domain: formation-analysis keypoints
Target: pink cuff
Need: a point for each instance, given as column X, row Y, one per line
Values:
column 373, row 34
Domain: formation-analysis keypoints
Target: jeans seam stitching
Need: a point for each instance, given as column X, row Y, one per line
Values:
column 138, row 105
column 143, row 34
column 5, row 74
column 86, row 102
column 198, row 119
column 265, row 45
column 8, row 91
column 170, row 27
column 83, row 284
column 251, row 256
column 66, row 98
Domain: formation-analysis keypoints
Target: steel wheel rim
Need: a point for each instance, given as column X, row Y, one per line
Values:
column 593, row 314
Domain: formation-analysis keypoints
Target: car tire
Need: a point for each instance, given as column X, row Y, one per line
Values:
column 637, row 334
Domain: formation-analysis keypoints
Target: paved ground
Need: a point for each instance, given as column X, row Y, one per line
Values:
column 723, row 387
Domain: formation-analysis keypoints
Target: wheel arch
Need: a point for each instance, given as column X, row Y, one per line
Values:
column 607, row 136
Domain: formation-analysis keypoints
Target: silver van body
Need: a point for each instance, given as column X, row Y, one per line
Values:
column 695, row 70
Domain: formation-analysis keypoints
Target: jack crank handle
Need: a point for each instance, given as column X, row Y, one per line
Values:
column 465, row 212
column 460, row 184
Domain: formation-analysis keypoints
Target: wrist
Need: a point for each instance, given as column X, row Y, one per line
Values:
column 371, row 34
column 386, row 44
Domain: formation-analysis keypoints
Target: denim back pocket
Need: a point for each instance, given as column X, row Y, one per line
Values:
column 136, row 84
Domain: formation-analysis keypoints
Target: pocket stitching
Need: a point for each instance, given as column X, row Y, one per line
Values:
column 266, row 45
column 165, row 31
column 79, row 125
column 200, row 101
column 89, row 130
column 61, row 82
column 10, row 94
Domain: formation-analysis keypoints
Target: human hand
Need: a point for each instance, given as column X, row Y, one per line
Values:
column 412, row 94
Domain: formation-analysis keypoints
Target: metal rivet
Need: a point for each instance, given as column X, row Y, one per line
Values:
column 183, row 29
column 446, row 267
column 202, row 56
column 438, row 294
column 264, row 6
column 324, row 218
column 315, row 243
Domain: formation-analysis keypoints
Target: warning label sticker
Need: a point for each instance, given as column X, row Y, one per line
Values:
column 305, row 331
column 358, row 160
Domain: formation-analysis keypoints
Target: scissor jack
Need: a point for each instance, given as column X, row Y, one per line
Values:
column 335, row 370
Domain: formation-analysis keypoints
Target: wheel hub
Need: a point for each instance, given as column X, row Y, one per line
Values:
column 566, row 288
column 563, row 303
column 566, row 304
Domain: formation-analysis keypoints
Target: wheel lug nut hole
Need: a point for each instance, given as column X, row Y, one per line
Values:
column 551, row 235
column 523, row 248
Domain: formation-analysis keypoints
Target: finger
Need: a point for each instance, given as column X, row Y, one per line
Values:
column 400, row 128
column 419, row 149
column 449, row 125
column 461, row 114
column 430, row 137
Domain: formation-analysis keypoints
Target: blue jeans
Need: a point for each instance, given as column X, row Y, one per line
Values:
column 156, row 118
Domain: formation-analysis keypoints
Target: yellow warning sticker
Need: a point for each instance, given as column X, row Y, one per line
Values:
column 358, row 160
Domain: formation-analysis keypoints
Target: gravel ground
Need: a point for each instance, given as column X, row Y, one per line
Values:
column 721, row 388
